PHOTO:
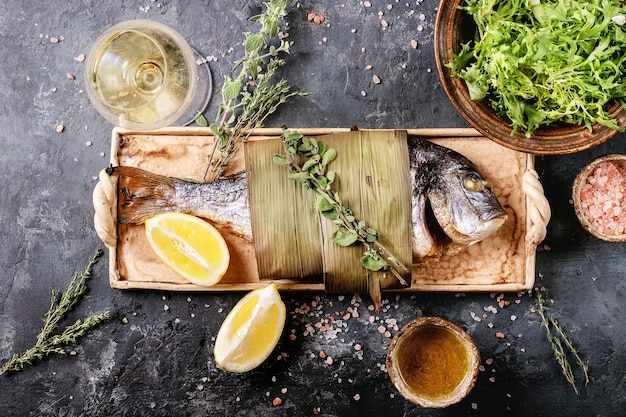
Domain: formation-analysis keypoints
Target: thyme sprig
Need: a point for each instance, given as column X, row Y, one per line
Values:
column 557, row 341
column 314, row 174
column 60, row 305
column 250, row 96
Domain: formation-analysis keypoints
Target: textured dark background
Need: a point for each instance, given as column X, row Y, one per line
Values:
column 154, row 357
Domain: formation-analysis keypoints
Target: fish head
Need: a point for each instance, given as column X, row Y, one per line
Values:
column 464, row 205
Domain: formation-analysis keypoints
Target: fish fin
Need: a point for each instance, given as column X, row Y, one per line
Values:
column 454, row 248
column 142, row 194
column 424, row 245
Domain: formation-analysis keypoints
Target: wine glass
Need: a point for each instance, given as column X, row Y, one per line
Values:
column 143, row 75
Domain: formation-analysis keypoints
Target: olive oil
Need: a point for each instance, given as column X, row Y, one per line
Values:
column 432, row 361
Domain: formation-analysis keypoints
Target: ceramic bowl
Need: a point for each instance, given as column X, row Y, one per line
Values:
column 432, row 362
column 455, row 27
column 577, row 190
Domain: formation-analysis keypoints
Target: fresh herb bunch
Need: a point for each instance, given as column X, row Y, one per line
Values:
column 60, row 305
column 251, row 95
column 313, row 173
column 557, row 341
column 540, row 62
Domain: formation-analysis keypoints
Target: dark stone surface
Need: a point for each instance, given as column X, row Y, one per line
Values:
column 154, row 357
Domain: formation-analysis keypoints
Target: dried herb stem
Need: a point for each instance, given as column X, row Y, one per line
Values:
column 60, row 305
column 312, row 172
column 252, row 95
column 557, row 341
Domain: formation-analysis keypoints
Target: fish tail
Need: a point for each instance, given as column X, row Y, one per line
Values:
column 142, row 194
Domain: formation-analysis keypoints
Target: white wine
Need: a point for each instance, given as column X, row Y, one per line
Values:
column 142, row 75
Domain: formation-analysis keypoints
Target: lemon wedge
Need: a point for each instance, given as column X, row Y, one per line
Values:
column 190, row 246
column 251, row 330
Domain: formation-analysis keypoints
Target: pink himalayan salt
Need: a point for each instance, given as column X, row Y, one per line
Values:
column 603, row 198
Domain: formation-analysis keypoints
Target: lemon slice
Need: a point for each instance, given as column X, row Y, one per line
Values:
column 250, row 331
column 190, row 246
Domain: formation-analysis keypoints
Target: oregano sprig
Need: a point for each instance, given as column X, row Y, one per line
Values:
column 251, row 95
column 308, row 160
column 60, row 305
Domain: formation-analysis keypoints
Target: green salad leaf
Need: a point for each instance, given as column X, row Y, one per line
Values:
column 545, row 61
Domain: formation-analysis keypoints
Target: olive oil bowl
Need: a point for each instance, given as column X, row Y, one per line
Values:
column 432, row 362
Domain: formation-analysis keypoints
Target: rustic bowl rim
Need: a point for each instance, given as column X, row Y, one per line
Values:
column 466, row 385
column 558, row 139
column 577, row 186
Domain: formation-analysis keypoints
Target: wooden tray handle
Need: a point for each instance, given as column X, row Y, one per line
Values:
column 538, row 209
column 104, row 203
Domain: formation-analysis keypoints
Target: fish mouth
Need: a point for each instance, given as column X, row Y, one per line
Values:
column 492, row 224
column 495, row 215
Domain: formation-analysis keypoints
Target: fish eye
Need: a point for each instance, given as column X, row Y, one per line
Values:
column 473, row 182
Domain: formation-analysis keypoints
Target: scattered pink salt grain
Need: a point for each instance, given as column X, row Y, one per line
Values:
column 603, row 199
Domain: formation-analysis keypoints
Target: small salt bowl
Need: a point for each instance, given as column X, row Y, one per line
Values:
column 432, row 362
column 599, row 196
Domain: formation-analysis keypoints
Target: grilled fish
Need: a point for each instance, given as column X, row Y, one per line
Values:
column 223, row 202
column 453, row 206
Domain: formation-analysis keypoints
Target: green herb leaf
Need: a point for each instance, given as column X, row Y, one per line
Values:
column 231, row 89
column 344, row 237
column 373, row 263
column 323, row 203
column 201, row 120
column 302, row 177
column 280, row 160
column 255, row 43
